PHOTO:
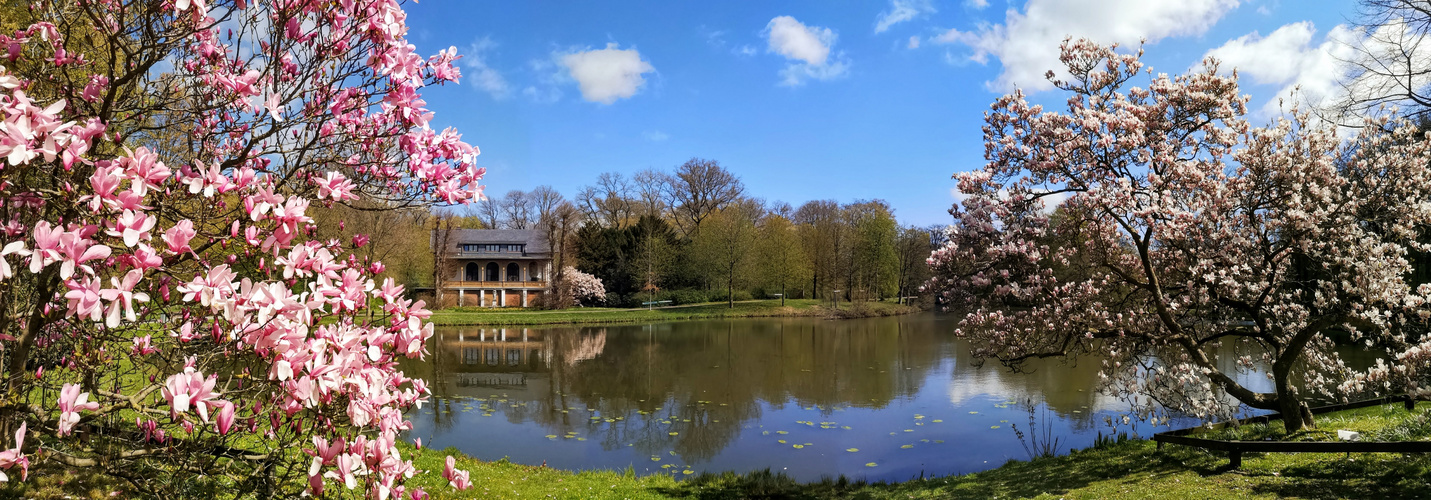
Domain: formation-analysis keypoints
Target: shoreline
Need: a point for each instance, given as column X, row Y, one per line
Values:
column 798, row 308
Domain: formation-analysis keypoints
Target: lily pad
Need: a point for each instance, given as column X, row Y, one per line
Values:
column 852, row 450
column 797, row 446
column 871, row 464
column 672, row 433
column 906, row 447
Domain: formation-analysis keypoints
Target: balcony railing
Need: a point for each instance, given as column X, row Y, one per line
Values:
column 495, row 284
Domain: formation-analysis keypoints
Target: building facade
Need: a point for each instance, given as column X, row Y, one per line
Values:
column 493, row 267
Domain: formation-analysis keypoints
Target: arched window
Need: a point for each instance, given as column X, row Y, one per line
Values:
column 532, row 272
column 514, row 272
column 491, row 271
column 473, row 273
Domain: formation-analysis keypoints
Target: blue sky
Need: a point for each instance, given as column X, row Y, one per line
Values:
column 814, row 99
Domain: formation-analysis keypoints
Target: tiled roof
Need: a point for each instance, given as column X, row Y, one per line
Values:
column 535, row 241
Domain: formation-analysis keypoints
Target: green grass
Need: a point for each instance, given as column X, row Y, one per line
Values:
column 471, row 316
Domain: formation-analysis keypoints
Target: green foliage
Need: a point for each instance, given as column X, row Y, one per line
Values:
column 628, row 259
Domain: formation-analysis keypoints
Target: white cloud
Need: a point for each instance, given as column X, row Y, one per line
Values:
column 1026, row 44
column 913, row 42
column 794, row 40
column 655, row 135
column 544, row 95
column 976, row 4
column 605, row 75
column 715, row 38
column 901, row 11
column 807, row 48
column 479, row 74
column 1321, row 73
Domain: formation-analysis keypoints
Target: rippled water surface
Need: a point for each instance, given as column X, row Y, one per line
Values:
column 883, row 398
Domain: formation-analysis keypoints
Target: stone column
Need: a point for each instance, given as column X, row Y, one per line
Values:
column 524, row 298
column 461, row 297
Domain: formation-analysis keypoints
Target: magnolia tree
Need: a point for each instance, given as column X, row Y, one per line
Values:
column 1193, row 252
column 580, row 288
column 165, row 315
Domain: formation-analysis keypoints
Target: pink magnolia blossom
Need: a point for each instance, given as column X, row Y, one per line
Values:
column 225, row 419
column 71, row 402
column 122, row 297
column 190, row 389
column 14, row 457
column 11, row 248
column 1152, row 226
column 317, row 341
column 177, row 237
column 456, row 478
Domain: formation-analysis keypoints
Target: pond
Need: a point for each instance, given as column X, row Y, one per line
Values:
column 879, row 398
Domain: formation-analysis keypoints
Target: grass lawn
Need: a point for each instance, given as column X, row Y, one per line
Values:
column 465, row 316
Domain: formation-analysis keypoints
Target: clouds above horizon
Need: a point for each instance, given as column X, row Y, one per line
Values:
column 1026, row 43
column 901, row 11
column 1321, row 72
column 606, row 75
column 807, row 50
column 479, row 74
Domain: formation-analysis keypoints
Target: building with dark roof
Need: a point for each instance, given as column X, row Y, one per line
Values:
column 493, row 267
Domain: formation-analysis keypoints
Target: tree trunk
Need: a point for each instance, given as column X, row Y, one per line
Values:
column 730, row 289
column 1296, row 415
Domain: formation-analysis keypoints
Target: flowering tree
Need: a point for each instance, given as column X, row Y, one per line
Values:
column 580, row 288
column 165, row 315
column 1183, row 229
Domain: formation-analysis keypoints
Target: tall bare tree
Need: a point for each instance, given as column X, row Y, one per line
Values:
column 560, row 230
column 1390, row 64
column 649, row 188
column 699, row 188
column 489, row 211
column 516, row 210
column 545, row 200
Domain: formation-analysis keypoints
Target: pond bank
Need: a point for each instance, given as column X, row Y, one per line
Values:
column 472, row 316
column 1133, row 468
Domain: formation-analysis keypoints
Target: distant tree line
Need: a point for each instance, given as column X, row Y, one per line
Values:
column 694, row 235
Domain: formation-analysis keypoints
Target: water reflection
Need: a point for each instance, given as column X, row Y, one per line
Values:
column 788, row 394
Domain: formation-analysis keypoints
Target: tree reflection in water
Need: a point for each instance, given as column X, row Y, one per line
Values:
column 705, row 393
